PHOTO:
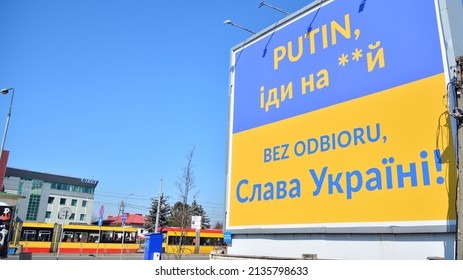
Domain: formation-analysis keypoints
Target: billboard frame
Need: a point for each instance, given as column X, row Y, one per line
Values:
column 362, row 227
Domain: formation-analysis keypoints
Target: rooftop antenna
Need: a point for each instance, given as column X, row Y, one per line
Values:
column 239, row 26
column 273, row 7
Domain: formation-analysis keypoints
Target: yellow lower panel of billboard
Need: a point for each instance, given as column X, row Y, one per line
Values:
column 387, row 157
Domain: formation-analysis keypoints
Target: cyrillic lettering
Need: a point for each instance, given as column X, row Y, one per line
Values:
column 268, row 194
column 295, row 191
column 334, row 183
column 401, row 175
column 379, row 57
column 272, row 99
column 281, row 190
column 374, row 183
column 323, row 80
column 257, row 189
column 238, row 191
column 305, row 83
column 318, row 180
column 287, row 91
column 350, row 188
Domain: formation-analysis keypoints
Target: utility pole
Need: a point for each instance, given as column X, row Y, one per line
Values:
column 121, row 210
column 158, row 210
column 458, row 85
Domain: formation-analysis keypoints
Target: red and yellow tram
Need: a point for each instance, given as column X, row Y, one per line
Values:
column 190, row 241
column 68, row 239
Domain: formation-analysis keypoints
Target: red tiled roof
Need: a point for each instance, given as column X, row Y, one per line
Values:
column 131, row 219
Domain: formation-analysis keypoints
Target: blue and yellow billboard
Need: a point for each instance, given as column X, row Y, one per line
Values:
column 339, row 118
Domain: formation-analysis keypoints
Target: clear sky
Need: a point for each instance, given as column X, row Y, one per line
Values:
column 121, row 90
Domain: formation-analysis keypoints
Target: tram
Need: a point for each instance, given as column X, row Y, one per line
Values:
column 73, row 238
column 192, row 241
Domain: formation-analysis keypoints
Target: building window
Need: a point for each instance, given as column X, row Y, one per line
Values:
column 34, row 200
column 33, row 207
column 84, row 203
column 62, row 201
column 73, row 216
column 74, row 202
column 82, row 217
column 47, row 215
column 72, row 188
column 50, row 199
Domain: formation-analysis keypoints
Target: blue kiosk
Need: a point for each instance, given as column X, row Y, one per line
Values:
column 153, row 246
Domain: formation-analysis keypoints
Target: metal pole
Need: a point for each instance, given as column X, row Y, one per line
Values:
column 459, row 244
column 121, row 210
column 98, row 243
column 156, row 225
column 60, row 239
column 65, row 212
column 5, row 91
column 273, row 7
column 239, row 26
column 123, row 236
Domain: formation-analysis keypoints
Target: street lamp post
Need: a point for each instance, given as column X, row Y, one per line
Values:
column 159, row 209
column 5, row 91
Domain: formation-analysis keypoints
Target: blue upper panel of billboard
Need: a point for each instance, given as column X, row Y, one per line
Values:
column 335, row 53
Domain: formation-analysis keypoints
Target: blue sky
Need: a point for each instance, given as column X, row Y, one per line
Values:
column 120, row 91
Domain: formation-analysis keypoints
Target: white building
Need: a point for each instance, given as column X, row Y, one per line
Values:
column 46, row 194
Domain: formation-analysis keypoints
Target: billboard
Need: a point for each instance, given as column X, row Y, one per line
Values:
column 339, row 119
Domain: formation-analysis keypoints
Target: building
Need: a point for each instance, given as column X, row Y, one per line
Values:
column 48, row 194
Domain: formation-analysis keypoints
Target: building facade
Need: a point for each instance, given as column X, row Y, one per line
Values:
column 48, row 196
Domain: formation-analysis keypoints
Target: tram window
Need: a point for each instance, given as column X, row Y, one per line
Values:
column 211, row 241
column 130, row 236
column 204, row 241
column 93, row 237
column 44, row 235
column 106, row 236
column 186, row 240
column 28, row 235
column 81, row 237
column 68, row 236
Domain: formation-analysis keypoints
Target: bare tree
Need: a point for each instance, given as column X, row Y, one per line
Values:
column 185, row 184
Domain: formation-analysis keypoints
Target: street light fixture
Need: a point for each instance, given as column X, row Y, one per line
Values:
column 5, row 91
column 273, row 7
column 239, row 26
